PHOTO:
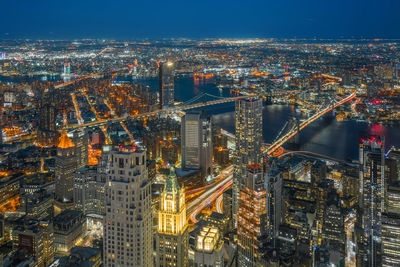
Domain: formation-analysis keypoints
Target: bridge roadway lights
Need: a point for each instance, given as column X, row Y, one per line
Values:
column 304, row 124
column 278, row 152
column 114, row 120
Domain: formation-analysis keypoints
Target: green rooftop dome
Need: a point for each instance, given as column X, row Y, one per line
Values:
column 172, row 181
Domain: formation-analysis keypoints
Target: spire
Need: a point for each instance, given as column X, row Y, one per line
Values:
column 65, row 142
column 172, row 181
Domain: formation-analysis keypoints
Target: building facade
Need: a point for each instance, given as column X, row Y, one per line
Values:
column 166, row 84
column 248, row 124
column 196, row 145
column 81, row 140
column 227, row 206
column 128, row 220
column 209, row 248
column 275, row 205
column 390, row 239
column 89, row 191
column 65, row 166
column 252, row 217
column 372, row 185
column 172, row 234
column 69, row 229
column 37, row 239
column 333, row 231
column 47, row 132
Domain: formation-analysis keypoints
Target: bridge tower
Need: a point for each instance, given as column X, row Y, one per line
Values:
column 268, row 96
column 294, row 141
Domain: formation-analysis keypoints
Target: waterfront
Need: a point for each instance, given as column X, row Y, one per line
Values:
column 325, row 136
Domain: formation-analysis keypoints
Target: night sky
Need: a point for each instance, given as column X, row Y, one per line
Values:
column 65, row 19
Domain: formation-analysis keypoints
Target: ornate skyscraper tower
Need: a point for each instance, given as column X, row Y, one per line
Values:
column 172, row 238
column 65, row 166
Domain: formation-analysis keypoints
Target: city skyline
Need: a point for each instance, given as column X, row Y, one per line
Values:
column 199, row 152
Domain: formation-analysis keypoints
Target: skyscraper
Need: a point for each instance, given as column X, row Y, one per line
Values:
column 248, row 120
column 65, row 166
column 372, row 179
column 391, row 216
column 80, row 138
column 37, row 239
column 197, row 143
column 390, row 239
column 333, row 230
column 274, row 186
column 67, row 68
column 128, row 220
column 172, row 238
column 47, row 117
column 89, row 186
column 252, row 217
column 47, row 132
column 166, row 84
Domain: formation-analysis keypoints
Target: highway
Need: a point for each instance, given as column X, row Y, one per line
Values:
column 211, row 193
column 218, row 204
column 228, row 169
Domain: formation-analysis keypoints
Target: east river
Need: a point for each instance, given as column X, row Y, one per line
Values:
column 324, row 136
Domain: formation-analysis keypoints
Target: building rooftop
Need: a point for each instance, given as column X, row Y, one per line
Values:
column 81, row 256
column 67, row 216
column 38, row 179
column 217, row 216
column 229, row 192
column 208, row 239
column 65, row 141
column 172, row 182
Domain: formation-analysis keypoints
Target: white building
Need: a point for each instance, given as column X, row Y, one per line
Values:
column 128, row 220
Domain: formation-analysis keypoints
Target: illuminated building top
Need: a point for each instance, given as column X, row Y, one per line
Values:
column 208, row 239
column 65, row 141
column 172, row 213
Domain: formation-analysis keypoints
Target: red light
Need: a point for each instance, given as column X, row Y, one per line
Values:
column 362, row 140
column 120, row 146
column 380, row 143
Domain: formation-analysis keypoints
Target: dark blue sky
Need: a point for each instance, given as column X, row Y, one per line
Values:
column 185, row 18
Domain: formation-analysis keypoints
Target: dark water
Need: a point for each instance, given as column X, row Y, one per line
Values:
column 325, row 136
